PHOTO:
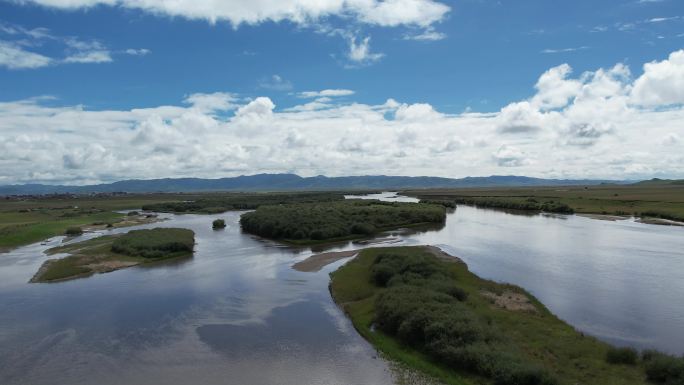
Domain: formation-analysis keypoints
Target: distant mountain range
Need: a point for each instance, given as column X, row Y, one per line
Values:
column 292, row 182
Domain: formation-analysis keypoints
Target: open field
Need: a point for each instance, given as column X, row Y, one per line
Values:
column 649, row 200
column 499, row 320
column 31, row 219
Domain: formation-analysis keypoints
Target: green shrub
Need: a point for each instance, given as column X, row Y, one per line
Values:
column 155, row 243
column 218, row 224
column 627, row 356
column 331, row 220
column 423, row 307
column 663, row 369
column 73, row 231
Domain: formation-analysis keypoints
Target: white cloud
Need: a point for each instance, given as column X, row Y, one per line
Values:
column 360, row 53
column 429, row 34
column 662, row 82
column 564, row 50
column 388, row 13
column 325, row 93
column 217, row 101
column 583, row 126
column 13, row 56
column 510, row 156
column 276, row 83
column 102, row 56
column 137, row 52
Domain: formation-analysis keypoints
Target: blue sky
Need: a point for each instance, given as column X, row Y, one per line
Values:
column 458, row 58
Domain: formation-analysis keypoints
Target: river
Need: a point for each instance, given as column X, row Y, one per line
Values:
column 236, row 313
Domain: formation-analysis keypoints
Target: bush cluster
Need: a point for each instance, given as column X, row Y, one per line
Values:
column 424, row 308
column 218, row 224
column 73, row 231
column 323, row 221
column 527, row 205
column 155, row 243
column 227, row 202
column 627, row 356
column 663, row 368
column 444, row 202
column 661, row 215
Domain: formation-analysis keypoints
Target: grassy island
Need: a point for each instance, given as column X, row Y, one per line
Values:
column 114, row 252
column 424, row 309
column 307, row 223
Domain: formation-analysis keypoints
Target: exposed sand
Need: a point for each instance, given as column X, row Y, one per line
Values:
column 439, row 253
column 603, row 217
column 659, row 221
column 318, row 261
column 510, row 300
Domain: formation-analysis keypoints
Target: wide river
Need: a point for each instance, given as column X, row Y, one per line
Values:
column 237, row 313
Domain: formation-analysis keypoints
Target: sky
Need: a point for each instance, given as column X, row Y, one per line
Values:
column 102, row 90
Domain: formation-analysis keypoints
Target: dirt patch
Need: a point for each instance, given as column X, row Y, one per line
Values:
column 510, row 300
column 127, row 222
column 441, row 254
column 603, row 217
column 379, row 241
column 318, row 261
column 107, row 266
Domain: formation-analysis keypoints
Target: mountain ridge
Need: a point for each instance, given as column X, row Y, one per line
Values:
column 293, row 182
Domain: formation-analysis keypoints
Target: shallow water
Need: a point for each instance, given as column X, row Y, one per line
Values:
column 237, row 313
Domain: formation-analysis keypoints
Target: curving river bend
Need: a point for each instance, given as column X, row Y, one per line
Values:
column 237, row 313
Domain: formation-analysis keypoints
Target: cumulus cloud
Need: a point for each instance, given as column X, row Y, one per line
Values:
column 662, row 82
column 583, row 126
column 386, row 13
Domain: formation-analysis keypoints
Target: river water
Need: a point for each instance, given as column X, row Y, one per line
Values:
column 236, row 313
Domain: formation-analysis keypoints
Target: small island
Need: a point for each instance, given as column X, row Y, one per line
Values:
column 424, row 309
column 218, row 224
column 312, row 223
column 114, row 252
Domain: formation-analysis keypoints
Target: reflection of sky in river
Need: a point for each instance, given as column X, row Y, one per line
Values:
column 236, row 313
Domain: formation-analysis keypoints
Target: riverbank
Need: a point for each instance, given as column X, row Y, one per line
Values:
column 527, row 327
column 114, row 252
column 645, row 201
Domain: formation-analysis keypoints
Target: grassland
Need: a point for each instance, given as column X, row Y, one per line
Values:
column 25, row 221
column 28, row 220
column 647, row 199
column 311, row 223
column 505, row 314
column 114, row 252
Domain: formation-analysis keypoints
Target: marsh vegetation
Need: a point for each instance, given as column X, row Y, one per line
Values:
column 330, row 221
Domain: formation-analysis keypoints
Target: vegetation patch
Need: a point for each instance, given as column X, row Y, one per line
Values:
column 433, row 316
column 323, row 222
column 114, row 252
column 218, row 224
column 155, row 243
column 221, row 203
column 645, row 200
